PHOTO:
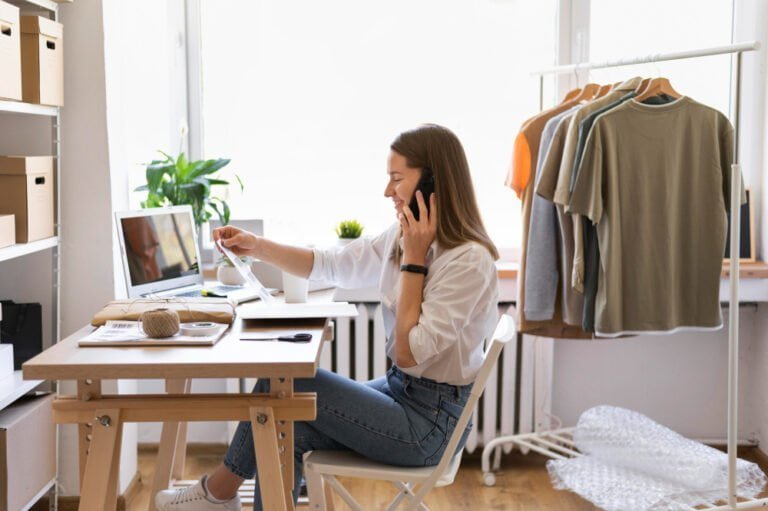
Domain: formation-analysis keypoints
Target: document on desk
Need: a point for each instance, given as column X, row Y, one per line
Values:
column 127, row 333
column 278, row 310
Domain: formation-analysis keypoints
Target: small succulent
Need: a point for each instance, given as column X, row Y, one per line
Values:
column 349, row 229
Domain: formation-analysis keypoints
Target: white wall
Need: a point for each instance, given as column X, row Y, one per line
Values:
column 679, row 380
column 87, row 201
column 124, row 85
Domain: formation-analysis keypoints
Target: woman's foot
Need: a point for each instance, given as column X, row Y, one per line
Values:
column 194, row 498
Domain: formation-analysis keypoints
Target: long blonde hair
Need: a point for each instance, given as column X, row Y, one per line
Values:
column 438, row 149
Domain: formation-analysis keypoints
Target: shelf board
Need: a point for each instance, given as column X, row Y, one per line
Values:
column 15, row 386
column 22, row 249
column 751, row 270
column 26, row 4
column 18, row 107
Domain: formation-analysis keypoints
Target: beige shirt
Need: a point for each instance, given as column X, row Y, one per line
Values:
column 655, row 179
column 459, row 308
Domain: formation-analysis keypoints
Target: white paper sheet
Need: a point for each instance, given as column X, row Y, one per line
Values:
column 127, row 333
column 279, row 310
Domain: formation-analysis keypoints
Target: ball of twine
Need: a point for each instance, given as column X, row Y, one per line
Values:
column 160, row 323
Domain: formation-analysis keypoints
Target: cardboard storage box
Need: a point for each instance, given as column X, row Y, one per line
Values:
column 27, row 451
column 26, row 190
column 7, row 230
column 10, row 52
column 42, row 61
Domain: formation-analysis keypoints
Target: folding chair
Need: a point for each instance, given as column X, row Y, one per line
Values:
column 322, row 467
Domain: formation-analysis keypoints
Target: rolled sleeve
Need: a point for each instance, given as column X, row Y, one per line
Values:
column 461, row 292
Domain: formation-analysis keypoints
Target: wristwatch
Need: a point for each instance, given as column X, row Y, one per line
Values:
column 414, row 268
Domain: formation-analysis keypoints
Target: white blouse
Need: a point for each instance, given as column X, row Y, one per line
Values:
column 459, row 308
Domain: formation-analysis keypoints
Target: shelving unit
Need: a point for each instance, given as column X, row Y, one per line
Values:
column 22, row 249
column 14, row 387
column 26, row 108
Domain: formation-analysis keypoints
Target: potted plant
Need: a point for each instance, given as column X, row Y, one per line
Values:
column 227, row 274
column 348, row 231
column 175, row 181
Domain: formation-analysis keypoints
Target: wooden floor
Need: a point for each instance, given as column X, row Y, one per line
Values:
column 521, row 485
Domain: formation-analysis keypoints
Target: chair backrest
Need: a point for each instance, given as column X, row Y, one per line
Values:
column 506, row 330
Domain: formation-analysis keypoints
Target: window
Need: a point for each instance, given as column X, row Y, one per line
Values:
column 305, row 98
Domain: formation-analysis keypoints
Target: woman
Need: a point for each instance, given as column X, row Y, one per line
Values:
column 439, row 292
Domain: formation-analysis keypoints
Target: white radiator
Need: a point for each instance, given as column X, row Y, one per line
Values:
column 358, row 352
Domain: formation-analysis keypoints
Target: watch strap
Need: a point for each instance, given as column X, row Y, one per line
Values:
column 414, row 268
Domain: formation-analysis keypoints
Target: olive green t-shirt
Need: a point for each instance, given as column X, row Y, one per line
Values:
column 655, row 179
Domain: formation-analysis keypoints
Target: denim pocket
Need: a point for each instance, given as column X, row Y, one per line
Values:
column 425, row 399
column 439, row 438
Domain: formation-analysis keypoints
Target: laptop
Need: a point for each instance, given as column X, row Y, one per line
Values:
column 161, row 256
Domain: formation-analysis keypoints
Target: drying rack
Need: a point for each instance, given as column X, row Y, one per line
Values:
column 558, row 444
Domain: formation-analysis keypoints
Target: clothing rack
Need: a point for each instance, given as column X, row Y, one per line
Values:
column 558, row 444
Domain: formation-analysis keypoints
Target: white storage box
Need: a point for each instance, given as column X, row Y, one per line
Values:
column 27, row 451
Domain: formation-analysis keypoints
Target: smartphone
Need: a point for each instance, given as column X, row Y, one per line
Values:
column 427, row 186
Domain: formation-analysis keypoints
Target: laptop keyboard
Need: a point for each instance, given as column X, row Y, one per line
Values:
column 189, row 294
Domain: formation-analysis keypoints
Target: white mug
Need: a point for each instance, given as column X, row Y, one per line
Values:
column 295, row 288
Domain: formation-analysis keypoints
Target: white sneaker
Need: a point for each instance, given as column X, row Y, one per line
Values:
column 193, row 498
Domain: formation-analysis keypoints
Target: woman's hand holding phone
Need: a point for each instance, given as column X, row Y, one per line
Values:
column 419, row 234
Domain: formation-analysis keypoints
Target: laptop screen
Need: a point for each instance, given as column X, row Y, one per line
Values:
column 159, row 247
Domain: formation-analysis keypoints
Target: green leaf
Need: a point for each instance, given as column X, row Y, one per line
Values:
column 142, row 188
column 223, row 212
column 227, row 212
column 193, row 169
column 210, row 167
column 182, row 165
column 215, row 208
column 155, row 175
column 213, row 182
column 170, row 193
column 240, row 181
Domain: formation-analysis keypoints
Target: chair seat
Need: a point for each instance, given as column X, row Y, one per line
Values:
column 352, row 464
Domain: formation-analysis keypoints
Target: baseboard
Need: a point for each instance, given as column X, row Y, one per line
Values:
column 761, row 457
column 72, row 502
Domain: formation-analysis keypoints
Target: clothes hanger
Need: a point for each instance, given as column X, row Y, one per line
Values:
column 603, row 90
column 624, row 86
column 656, row 87
column 570, row 95
column 588, row 92
column 643, row 85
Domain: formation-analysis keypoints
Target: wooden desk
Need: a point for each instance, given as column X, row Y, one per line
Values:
column 101, row 417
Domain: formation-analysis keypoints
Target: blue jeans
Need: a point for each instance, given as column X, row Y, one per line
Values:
column 396, row 419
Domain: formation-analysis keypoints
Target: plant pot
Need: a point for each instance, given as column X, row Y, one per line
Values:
column 229, row 276
column 344, row 241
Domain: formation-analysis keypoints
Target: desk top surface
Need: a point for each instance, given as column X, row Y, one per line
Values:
column 229, row 358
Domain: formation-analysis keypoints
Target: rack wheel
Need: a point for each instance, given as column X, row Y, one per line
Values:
column 489, row 479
